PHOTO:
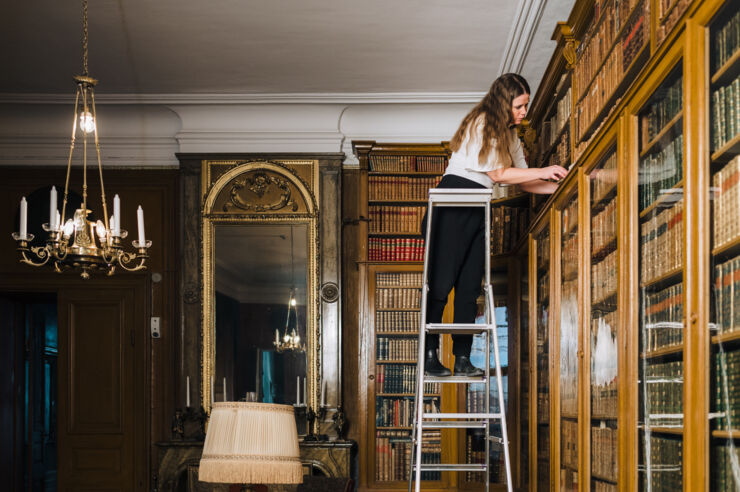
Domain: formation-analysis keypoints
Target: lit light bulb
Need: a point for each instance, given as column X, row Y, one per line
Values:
column 297, row 338
column 286, row 338
column 69, row 228
column 100, row 229
column 87, row 122
column 292, row 301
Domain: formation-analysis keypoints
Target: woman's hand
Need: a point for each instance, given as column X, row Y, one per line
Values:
column 552, row 173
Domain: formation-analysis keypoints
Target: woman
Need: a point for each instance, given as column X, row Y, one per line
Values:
column 486, row 150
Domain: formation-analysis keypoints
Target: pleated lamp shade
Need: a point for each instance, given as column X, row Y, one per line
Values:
column 251, row 443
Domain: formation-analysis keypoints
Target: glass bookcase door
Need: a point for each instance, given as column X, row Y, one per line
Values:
column 542, row 359
column 568, row 346
column 524, row 372
column 661, row 312
column 724, row 162
column 603, row 333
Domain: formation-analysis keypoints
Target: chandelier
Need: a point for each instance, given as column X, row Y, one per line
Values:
column 290, row 342
column 75, row 242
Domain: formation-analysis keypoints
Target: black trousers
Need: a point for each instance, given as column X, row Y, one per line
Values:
column 456, row 259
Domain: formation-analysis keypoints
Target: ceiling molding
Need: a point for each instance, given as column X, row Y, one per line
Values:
column 216, row 99
column 523, row 28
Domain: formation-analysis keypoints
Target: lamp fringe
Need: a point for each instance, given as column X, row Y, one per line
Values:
column 262, row 472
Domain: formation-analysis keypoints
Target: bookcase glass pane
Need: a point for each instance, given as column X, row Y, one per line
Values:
column 542, row 358
column 603, row 333
column 661, row 314
column 524, row 374
column 724, row 97
column 397, row 318
column 568, row 349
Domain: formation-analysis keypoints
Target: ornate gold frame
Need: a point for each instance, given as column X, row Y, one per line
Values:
column 300, row 176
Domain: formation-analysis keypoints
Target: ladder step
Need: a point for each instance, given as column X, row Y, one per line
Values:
column 454, row 379
column 473, row 416
column 471, row 467
column 460, row 197
column 464, row 424
column 459, row 328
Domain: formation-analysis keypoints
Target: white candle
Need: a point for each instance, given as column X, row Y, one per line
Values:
column 53, row 208
column 323, row 393
column 140, row 220
column 187, row 392
column 211, row 390
column 224, row 389
column 57, row 222
column 116, row 221
column 24, row 218
column 305, row 393
column 277, row 336
column 297, row 390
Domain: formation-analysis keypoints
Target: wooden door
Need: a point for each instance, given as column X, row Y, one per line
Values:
column 102, row 380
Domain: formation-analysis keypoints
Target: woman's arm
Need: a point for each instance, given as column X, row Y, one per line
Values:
column 516, row 175
column 539, row 186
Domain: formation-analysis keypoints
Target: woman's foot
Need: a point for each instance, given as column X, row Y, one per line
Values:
column 432, row 365
column 463, row 367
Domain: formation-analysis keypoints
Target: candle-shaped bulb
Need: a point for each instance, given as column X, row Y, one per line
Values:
column 100, row 230
column 87, row 122
column 140, row 221
column 116, row 222
column 24, row 219
column 69, row 228
column 52, row 208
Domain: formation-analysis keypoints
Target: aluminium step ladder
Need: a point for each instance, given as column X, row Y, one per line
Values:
column 432, row 420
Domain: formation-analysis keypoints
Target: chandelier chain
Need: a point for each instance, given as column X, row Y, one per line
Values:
column 84, row 38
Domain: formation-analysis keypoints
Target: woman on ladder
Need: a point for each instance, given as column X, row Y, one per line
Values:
column 485, row 151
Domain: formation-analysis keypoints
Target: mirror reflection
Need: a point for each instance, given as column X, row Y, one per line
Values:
column 260, row 280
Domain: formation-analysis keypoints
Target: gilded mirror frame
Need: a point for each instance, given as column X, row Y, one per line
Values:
column 224, row 187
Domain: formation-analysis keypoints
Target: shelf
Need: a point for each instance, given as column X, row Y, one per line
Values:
column 554, row 145
column 569, row 416
column 397, row 286
column 602, row 202
column 398, row 309
column 669, row 278
column 663, row 132
column 426, row 395
column 400, row 361
column 397, row 333
column 603, row 417
column 605, row 250
column 603, row 479
column 663, row 199
column 400, row 200
column 728, row 249
column 728, row 151
column 662, row 352
column 606, row 304
column 727, row 71
column 397, row 262
column 676, row 431
column 726, row 434
column 565, row 466
column 727, row 336
column 398, row 427
column 404, row 173
column 386, row 234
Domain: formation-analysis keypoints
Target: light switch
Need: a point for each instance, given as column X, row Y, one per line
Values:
column 155, row 327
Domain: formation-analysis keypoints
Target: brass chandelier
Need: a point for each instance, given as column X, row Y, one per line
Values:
column 77, row 243
column 291, row 341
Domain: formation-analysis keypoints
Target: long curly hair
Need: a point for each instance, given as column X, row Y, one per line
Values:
column 495, row 111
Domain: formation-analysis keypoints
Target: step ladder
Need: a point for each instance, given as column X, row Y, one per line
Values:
column 424, row 421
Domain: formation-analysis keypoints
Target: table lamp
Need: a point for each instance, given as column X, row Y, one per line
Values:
column 251, row 443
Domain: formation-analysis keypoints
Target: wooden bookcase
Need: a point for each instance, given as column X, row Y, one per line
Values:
column 634, row 266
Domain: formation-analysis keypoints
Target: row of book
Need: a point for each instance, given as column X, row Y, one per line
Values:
column 570, row 255
column 604, row 178
column 660, row 171
column 475, row 398
column 399, row 411
column 599, row 486
column 475, row 453
column 552, row 127
column 543, row 287
column 727, row 295
column 604, row 452
column 725, row 113
column 726, row 184
column 393, row 455
column 663, row 107
column 604, row 365
column 596, row 44
column 604, row 277
column 543, row 249
column 724, row 474
column 604, row 226
column 726, row 380
column 387, row 298
column 400, row 378
column 725, row 39
column 398, row 219
column 396, row 348
column 569, row 443
column 408, row 163
column 397, row 322
column 570, row 216
column 543, row 406
column 669, row 12
column 508, row 224
column 661, row 243
column 663, row 318
column 398, row 279
column 663, row 466
column 395, row 249
column 561, row 155
column 399, row 188
column 664, row 393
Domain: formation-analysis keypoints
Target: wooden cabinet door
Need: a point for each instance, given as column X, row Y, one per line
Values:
column 102, row 375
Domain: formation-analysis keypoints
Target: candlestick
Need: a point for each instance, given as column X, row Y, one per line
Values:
column 116, row 225
column 297, row 388
column 24, row 219
column 140, row 220
column 224, row 389
column 53, row 208
column 187, row 392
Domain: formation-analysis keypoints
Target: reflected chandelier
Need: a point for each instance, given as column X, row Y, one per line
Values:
column 290, row 341
column 78, row 243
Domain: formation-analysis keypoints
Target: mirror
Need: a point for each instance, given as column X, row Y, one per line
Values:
column 260, row 288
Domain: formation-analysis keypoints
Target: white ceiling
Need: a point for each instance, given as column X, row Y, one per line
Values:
column 238, row 47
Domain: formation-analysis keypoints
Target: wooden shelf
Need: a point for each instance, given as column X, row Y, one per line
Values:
column 397, row 333
column 396, row 427
column 554, row 145
column 727, row 71
column 663, row 199
column 662, row 352
column 606, row 304
column 397, row 286
column 398, row 309
column 569, row 416
column 402, row 361
column 397, row 262
column 565, row 466
column 404, row 173
column 604, row 251
column 429, row 395
column 676, row 431
column 604, row 417
column 728, row 336
column 728, row 151
column 400, row 200
column 603, row 479
column 726, row 434
column 602, row 202
column 731, row 248
column 666, row 279
column 662, row 133
column 391, row 234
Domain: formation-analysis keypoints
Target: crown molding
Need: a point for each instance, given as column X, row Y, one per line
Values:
column 522, row 32
column 215, row 99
